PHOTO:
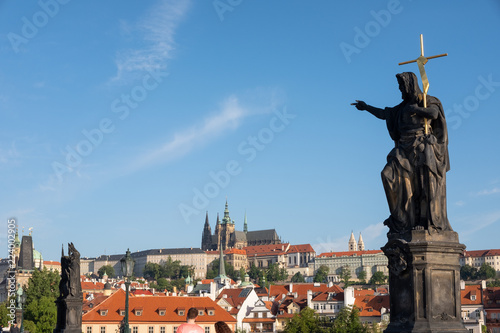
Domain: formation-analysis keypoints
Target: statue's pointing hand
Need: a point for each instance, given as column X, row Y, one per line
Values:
column 360, row 105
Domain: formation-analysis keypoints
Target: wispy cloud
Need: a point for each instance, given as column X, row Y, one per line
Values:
column 494, row 190
column 157, row 30
column 477, row 223
column 228, row 118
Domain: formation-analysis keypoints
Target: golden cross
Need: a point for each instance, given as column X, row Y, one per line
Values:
column 421, row 61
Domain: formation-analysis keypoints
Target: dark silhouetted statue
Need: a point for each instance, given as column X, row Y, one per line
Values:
column 414, row 177
column 422, row 250
column 69, row 302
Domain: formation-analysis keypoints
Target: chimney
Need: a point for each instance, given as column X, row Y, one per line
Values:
column 309, row 298
column 291, row 287
column 462, row 285
column 483, row 284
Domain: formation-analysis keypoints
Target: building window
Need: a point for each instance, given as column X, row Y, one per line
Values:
column 103, row 329
column 135, row 329
column 162, row 329
column 89, row 329
column 207, row 329
column 151, row 329
column 175, row 329
column 200, row 312
column 104, row 312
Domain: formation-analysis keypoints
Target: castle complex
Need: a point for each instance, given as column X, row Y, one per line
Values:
column 227, row 235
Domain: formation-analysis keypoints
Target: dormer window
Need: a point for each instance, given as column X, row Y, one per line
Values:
column 180, row 311
column 103, row 312
column 138, row 312
column 200, row 313
column 211, row 311
column 472, row 297
column 161, row 312
column 121, row 312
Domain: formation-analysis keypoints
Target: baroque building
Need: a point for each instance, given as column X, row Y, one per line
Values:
column 226, row 235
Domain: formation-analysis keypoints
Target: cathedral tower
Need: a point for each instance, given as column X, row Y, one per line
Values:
column 353, row 246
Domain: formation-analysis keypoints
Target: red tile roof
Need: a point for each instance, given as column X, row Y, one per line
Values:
column 348, row 253
column 301, row 248
column 335, row 292
column 490, row 298
column 151, row 305
column 482, row 253
column 264, row 250
column 232, row 296
column 51, row 263
column 370, row 305
column 469, row 291
column 92, row 286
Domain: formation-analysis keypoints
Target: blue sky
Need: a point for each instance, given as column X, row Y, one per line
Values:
column 124, row 122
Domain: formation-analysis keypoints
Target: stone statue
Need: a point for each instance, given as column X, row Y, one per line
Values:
column 70, row 275
column 69, row 302
column 414, row 177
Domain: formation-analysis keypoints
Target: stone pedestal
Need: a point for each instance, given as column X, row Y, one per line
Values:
column 424, row 282
column 69, row 315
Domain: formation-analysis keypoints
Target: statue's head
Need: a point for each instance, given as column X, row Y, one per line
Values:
column 408, row 84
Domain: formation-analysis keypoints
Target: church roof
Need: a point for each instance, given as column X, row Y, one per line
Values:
column 240, row 236
column 269, row 234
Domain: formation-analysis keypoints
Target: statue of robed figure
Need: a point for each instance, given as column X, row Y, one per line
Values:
column 69, row 302
column 414, row 177
column 422, row 250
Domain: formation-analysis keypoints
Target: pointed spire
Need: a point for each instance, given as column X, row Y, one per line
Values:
column 226, row 219
column 218, row 220
column 245, row 226
column 222, row 267
column 361, row 244
column 353, row 245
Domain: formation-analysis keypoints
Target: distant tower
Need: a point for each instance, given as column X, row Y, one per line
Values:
column 361, row 244
column 222, row 279
column 353, row 246
column 206, row 238
column 226, row 229
column 25, row 261
column 245, row 226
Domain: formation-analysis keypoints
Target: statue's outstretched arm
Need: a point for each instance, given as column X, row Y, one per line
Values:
column 362, row 106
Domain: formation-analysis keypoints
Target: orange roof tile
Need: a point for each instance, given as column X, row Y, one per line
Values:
column 482, row 253
column 301, row 248
column 370, row 305
column 467, row 293
column 150, row 306
column 92, row 285
column 262, row 250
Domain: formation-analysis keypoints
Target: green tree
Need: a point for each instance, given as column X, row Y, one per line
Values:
column 230, row 271
column 108, row 269
column 4, row 314
column 152, row 271
column 321, row 274
column 362, row 277
column 273, row 273
column 377, row 278
column 304, row 322
column 345, row 276
column 40, row 312
column 347, row 321
column 486, row 272
column 242, row 274
column 298, row 278
column 255, row 273
column 495, row 283
column 468, row 272
column 170, row 269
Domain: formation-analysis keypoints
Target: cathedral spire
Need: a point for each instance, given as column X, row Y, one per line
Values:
column 353, row 246
column 226, row 219
column 361, row 244
column 245, row 226
column 222, row 267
